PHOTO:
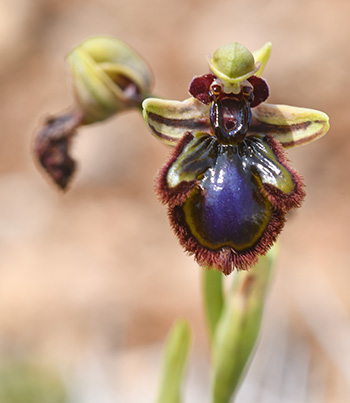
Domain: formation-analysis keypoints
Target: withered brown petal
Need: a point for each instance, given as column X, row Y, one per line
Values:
column 52, row 146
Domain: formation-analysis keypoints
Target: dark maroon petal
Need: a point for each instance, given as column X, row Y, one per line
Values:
column 200, row 86
column 261, row 90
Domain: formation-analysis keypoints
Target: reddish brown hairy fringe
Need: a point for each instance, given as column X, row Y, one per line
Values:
column 278, row 198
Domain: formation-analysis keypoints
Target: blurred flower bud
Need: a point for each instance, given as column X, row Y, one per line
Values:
column 108, row 77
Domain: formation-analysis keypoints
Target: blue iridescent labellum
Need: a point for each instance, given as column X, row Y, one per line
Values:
column 227, row 203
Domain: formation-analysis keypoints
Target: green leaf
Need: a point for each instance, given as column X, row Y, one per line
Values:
column 30, row 382
column 174, row 363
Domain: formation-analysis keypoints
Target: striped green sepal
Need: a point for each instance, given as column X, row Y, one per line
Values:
column 170, row 120
column 290, row 125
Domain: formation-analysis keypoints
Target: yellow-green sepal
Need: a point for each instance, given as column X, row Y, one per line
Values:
column 170, row 120
column 233, row 63
column 262, row 55
column 291, row 126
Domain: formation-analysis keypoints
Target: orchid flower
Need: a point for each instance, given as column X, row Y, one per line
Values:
column 228, row 184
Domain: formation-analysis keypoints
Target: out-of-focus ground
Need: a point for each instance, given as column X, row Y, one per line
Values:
column 91, row 280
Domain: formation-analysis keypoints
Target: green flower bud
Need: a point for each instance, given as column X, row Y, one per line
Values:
column 233, row 63
column 108, row 77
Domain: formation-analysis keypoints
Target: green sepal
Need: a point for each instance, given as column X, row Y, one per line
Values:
column 233, row 63
column 290, row 125
column 262, row 55
column 170, row 120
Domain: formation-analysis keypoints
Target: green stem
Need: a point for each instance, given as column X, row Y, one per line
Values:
column 213, row 298
column 238, row 328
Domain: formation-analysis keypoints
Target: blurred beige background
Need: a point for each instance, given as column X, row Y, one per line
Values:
column 91, row 281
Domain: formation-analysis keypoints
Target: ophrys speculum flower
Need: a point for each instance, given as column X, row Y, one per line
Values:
column 228, row 183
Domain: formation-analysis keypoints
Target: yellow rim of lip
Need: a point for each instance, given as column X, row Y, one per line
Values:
column 234, row 80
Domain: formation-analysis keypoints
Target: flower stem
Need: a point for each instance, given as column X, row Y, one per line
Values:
column 213, row 298
column 237, row 329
